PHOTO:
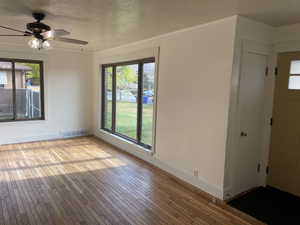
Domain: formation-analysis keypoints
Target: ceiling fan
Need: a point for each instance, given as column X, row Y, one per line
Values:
column 41, row 33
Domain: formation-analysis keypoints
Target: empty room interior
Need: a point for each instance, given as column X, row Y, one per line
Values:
column 149, row 112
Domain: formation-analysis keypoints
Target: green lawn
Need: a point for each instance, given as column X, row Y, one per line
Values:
column 126, row 117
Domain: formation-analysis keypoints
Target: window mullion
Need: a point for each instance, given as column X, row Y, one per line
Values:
column 140, row 103
column 42, row 91
column 14, row 90
column 114, row 90
column 103, row 106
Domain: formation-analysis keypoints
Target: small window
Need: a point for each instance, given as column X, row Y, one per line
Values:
column 148, row 99
column 295, row 67
column 21, row 90
column 294, row 82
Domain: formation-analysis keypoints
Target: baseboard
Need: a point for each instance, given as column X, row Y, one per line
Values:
column 227, row 193
column 133, row 149
column 44, row 137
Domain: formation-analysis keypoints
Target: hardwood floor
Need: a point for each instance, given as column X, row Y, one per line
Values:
column 85, row 181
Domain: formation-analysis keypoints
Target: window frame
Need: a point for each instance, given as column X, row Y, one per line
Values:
column 140, row 63
column 13, row 62
column 292, row 90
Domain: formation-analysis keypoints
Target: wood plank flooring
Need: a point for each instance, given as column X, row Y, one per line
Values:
column 84, row 181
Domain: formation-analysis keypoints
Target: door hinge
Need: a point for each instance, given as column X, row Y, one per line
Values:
column 267, row 71
column 258, row 167
column 267, row 170
column 276, row 71
column 271, row 121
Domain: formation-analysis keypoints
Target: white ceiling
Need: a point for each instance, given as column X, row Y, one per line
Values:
column 109, row 23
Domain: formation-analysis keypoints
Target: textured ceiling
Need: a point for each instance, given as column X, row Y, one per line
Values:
column 109, row 23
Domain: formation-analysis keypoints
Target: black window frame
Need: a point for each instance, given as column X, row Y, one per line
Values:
column 140, row 63
column 13, row 62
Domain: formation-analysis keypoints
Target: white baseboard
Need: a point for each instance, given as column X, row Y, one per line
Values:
column 148, row 157
column 228, row 193
column 44, row 137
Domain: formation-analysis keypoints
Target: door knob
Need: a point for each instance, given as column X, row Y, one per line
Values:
column 244, row 134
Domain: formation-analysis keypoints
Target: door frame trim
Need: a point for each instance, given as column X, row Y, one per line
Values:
column 233, row 124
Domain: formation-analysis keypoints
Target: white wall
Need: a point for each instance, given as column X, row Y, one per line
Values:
column 195, row 67
column 67, row 95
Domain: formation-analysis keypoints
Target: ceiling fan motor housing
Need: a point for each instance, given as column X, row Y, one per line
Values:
column 38, row 27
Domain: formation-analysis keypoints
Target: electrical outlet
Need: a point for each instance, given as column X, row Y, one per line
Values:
column 214, row 200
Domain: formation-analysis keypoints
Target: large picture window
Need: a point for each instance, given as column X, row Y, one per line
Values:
column 127, row 100
column 21, row 90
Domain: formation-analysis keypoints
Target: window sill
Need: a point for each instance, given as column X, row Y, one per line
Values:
column 124, row 140
column 23, row 122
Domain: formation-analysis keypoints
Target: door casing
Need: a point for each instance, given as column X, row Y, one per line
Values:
column 230, row 190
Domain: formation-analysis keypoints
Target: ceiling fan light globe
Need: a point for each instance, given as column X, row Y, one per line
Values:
column 46, row 45
column 34, row 43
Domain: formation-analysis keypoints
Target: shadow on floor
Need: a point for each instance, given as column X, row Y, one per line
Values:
column 270, row 206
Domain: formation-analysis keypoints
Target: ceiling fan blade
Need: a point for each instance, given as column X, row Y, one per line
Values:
column 55, row 33
column 69, row 40
column 9, row 28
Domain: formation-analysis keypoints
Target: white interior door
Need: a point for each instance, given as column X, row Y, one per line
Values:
column 251, row 118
